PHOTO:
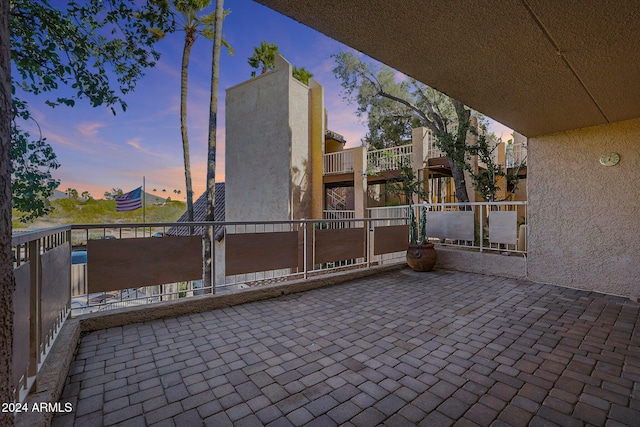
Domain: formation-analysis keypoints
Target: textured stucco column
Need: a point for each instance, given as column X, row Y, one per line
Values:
column 219, row 266
column 418, row 136
column 259, row 147
column 584, row 228
column 418, row 157
column 360, row 181
column 317, row 130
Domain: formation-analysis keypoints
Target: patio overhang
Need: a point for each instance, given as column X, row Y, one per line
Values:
column 537, row 66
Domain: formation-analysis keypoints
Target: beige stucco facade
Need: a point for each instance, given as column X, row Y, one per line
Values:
column 271, row 121
column 584, row 223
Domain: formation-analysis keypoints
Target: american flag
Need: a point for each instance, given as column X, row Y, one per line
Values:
column 129, row 201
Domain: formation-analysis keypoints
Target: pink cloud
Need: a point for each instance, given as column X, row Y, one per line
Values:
column 89, row 129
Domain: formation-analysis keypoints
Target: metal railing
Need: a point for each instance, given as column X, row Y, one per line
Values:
column 77, row 269
column 338, row 214
column 41, row 300
column 516, row 154
column 431, row 150
column 336, row 198
column 338, row 162
column 492, row 226
column 388, row 159
column 127, row 265
column 232, row 270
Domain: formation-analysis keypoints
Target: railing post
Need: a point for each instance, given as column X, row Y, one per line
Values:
column 34, row 308
column 368, row 241
column 304, row 249
column 481, row 227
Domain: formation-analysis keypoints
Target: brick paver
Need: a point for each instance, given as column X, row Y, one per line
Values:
column 401, row 348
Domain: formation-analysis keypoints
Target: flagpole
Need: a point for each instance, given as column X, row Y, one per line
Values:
column 144, row 205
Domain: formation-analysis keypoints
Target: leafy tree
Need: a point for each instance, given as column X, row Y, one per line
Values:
column 376, row 91
column 96, row 50
column 411, row 187
column 394, row 108
column 208, row 279
column 32, row 163
column 86, row 195
column 72, row 193
column 485, row 181
column 111, row 195
column 263, row 58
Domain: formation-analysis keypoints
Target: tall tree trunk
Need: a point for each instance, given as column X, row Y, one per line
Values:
column 459, row 182
column 7, row 279
column 211, row 157
column 458, row 164
column 186, row 53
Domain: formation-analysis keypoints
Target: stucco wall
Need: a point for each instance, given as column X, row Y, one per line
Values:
column 258, row 142
column 585, row 218
column 299, row 118
column 482, row 263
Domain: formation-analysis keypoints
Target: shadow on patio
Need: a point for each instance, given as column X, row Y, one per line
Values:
column 398, row 348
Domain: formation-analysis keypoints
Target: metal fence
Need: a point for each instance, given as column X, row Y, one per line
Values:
column 493, row 226
column 83, row 268
column 247, row 254
column 41, row 300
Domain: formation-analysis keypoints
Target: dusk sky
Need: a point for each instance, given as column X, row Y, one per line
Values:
column 98, row 150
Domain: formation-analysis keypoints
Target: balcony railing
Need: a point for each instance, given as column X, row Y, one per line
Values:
column 516, row 154
column 339, row 162
column 388, row 159
column 496, row 226
column 338, row 214
column 127, row 265
column 41, row 300
column 431, row 151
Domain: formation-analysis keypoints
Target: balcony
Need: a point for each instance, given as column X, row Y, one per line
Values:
column 385, row 345
column 389, row 159
column 339, row 162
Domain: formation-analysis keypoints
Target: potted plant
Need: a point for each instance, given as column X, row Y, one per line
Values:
column 421, row 255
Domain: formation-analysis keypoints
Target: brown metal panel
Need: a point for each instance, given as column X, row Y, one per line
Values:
column 393, row 238
column 56, row 286
column 251, row 252
column 338, row 178
column 21, row 317
column 338, row 245
column 116, row 264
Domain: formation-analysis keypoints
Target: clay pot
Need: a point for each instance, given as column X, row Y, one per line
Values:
column 421, row 257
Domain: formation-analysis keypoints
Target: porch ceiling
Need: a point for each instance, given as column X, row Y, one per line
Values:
column 538, row 66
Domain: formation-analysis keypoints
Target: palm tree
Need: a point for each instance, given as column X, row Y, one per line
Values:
column 301, row 74
column 208, row 279
column 263, row 57
column 192, row 26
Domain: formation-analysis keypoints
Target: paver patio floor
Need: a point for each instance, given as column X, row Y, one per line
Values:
column 400, row 348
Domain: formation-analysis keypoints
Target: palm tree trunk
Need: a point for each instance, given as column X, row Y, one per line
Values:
column 186, row 53
column 7, row 279
column 211, row 156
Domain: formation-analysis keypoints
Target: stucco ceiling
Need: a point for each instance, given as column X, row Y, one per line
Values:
column 538, row 66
